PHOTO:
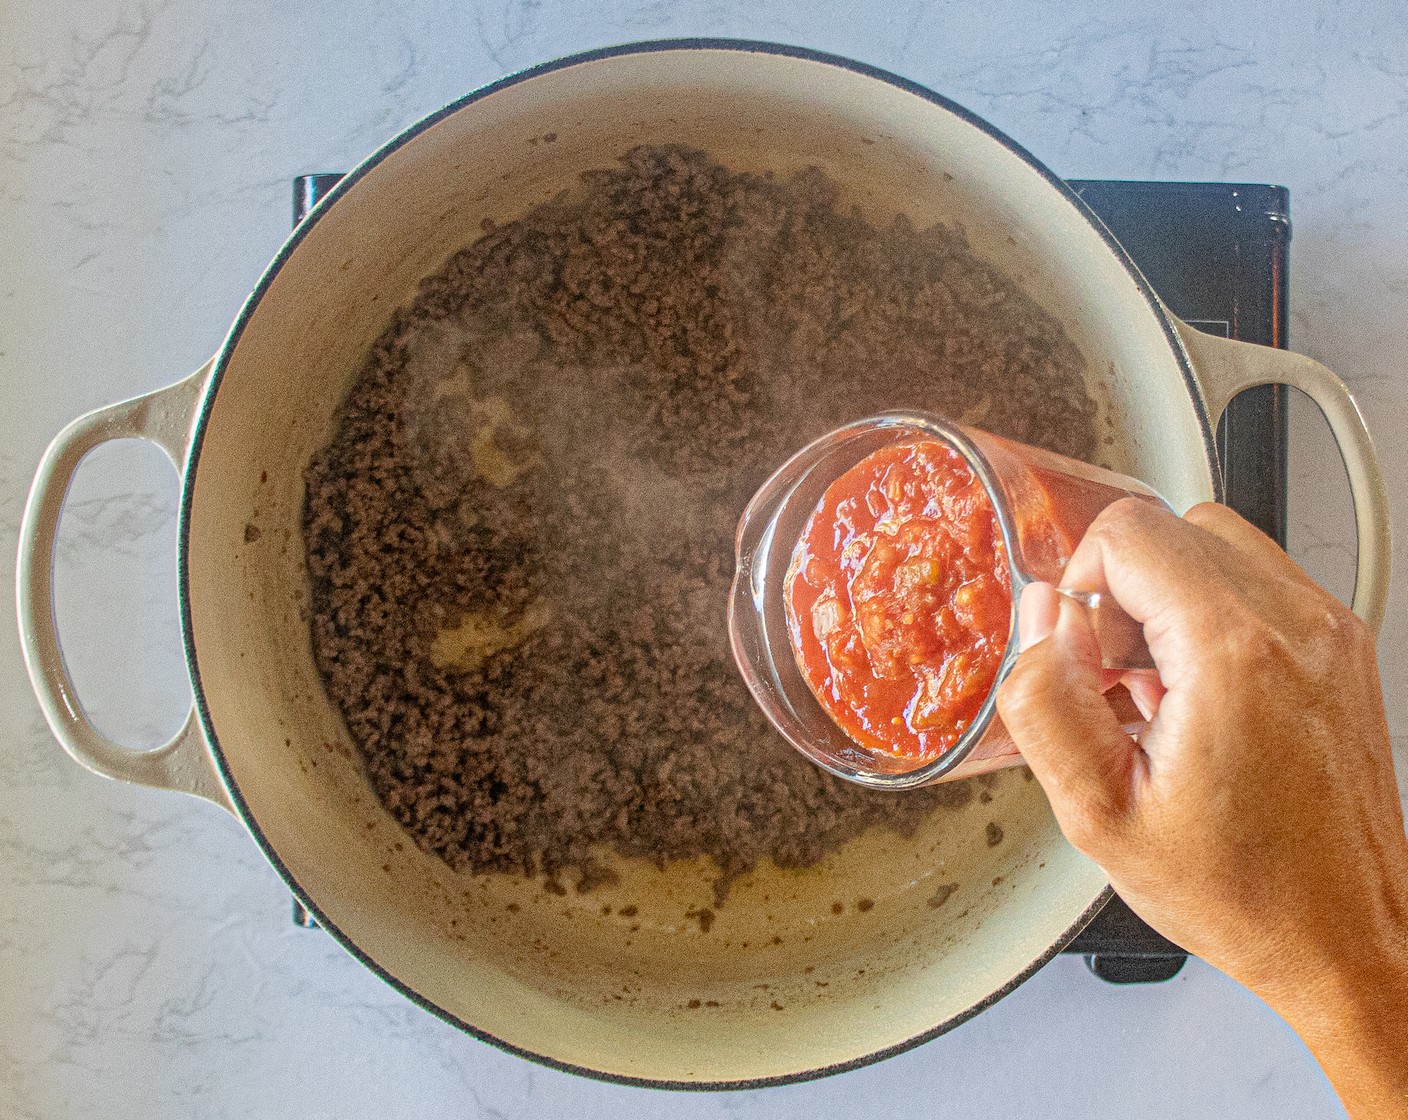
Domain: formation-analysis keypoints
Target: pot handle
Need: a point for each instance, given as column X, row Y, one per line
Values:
column 165, row 417
column 1224, row 367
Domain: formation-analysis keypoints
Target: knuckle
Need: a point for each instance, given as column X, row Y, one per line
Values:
column 1131, row 520
column 1209, row 515
column 1126, row 514
column 1338, row 639
column 1248, row 642
column 1308, row 635
column 1347, row 628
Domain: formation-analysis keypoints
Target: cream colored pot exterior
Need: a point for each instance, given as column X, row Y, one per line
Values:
column 782, row 986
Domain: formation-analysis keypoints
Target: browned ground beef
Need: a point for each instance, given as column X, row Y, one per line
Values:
column 520, row 536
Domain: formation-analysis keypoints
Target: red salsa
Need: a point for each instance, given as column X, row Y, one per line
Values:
column 899, row 599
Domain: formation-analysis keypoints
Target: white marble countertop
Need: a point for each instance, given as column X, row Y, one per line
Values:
column 148, row 967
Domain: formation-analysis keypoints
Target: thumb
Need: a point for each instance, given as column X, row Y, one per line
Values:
column 1053, row 705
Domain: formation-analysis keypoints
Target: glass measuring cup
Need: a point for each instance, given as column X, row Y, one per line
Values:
column 1042, row 503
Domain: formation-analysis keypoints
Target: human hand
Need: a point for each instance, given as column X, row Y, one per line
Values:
column 1257, row 821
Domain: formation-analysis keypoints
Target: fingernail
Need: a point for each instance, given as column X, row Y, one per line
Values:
column 1037, row 612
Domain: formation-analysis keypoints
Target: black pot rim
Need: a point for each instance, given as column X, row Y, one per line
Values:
column 218, row 373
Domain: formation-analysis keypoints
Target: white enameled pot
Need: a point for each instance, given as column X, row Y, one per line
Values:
column 782, row 987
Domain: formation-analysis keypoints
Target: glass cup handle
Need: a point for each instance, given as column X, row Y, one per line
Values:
column 1121, row 638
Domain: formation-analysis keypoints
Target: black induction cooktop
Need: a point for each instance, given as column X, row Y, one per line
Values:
column 1217, row 255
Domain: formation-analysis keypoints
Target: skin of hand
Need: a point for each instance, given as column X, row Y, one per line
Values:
column 1256, row 820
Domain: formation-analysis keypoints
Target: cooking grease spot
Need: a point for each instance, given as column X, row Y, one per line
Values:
column 252, row 533
column 994, row 834
column 942, row 894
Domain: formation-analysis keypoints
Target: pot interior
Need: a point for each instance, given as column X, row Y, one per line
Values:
column 800, row 970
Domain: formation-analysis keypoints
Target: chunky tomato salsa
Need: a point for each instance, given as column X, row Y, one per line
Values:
column 899, row 599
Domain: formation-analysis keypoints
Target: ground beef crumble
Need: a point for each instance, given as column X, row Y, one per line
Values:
column 520, row 536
